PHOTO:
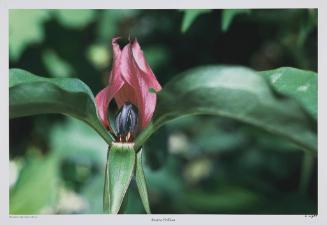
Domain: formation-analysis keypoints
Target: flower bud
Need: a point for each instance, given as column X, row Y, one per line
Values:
column 126, row 122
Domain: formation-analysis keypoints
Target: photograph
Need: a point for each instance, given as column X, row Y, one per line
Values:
column 205, row 111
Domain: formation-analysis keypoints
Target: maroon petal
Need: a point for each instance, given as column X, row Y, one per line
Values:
column 102, row 106
column 141, row 62
column 141, row 82
column 126, row 94
column 116, row 82
column 116, row 54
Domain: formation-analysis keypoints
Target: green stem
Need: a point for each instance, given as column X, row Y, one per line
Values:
column 306, row 171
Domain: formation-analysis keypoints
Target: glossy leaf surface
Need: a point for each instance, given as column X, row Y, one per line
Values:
column 32, row 95
column 237, row 93
column 300, row 84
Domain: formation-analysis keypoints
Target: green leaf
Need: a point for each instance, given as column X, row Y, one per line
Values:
column 236, row 93
column 31, row 95
column 300, row 84
column 140, row 182
column 36, row 187
column 228, row 16
column 119, row 172
column 189, row 17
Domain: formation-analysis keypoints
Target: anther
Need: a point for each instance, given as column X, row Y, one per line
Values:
column 126, row 122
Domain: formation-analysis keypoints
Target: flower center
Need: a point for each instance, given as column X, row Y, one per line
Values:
column 126, row 122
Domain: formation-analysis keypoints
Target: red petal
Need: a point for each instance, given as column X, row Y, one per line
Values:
column 141, row 81
column 102, row 106
column 116, row 82
column 116, row 55
column 126, row 94
column 141, row 62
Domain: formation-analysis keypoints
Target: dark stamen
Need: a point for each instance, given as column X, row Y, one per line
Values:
column 126, row 122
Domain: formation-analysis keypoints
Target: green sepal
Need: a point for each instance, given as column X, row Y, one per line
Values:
column 140, row 182
column 118, row 175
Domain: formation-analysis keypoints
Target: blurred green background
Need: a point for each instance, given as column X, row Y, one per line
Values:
column 200, row 164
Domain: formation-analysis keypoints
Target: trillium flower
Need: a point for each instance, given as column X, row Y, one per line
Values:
column 133, row 86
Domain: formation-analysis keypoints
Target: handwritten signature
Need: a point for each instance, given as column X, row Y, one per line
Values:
column 311, row 216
